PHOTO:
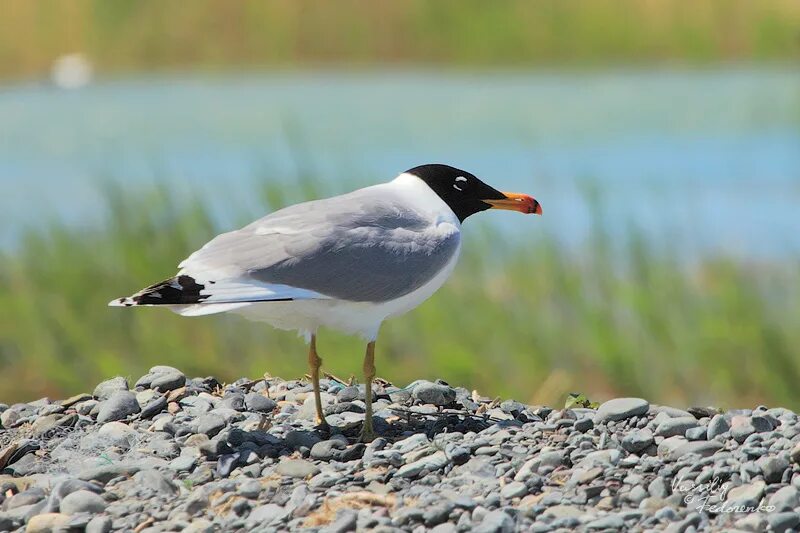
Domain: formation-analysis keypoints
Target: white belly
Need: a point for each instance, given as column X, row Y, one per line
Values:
column 357, row 318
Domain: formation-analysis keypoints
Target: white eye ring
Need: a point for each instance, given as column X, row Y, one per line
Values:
column 455, row 185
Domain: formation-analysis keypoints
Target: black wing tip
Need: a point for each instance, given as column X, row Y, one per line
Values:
column 179, row 290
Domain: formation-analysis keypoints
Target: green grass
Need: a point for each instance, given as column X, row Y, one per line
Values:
column 121, row 35
column 524, row 319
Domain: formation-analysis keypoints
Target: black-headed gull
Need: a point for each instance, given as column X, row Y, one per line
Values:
column 347, row 262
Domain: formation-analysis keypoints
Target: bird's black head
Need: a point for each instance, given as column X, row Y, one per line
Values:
column 467, row 195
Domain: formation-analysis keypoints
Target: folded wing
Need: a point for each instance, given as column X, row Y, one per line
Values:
column 366, row 246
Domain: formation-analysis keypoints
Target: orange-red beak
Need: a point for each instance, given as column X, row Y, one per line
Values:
column 517, row 202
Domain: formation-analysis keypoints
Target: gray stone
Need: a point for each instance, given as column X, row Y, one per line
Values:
column 429, row 463
column 267, row 514
column 698, row 433
column 234, row 400
column 717, row 426
column 213, row 448
column 438, row 513
column 106, row 473
column 749, row 494
column 196, row 502
column 26, row 497
column 794, row 455
column 667, row 446
column 327, row 449
column 154, row 407
column 433, row 393
column 297, row 439
column 297, row 468
column 658, row 488
column 85, row 408
column 583, row 424
column 781, row 522
column 621, row 409
column 82, row 501
column 119, row 406
column 773, row 468
column 349, row 394
column 672, row 412
column 676, row 426
column 743, row 426
column 182, row 463
column 168, row 381
column 613, row 522
column 210, row 424
column 638, row 440
column 702, row 448
column 106, row 389
column 785, row 499
column 259, row 403
column 515, row 489
column 497, row 521
column 44, row 424
column 346, row 521
column 99, row 524
column 250, row 489
column 763, row 422
column 407, row 515
column 9, row 417
column 559, row 511
column 156, row 481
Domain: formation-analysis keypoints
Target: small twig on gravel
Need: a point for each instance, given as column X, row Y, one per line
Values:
column 331, row 376
column 147, row 523
column 443, row 414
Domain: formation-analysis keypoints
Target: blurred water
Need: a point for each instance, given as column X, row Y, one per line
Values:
column 705, row 161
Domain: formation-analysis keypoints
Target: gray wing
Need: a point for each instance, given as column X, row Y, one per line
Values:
column 366, row 246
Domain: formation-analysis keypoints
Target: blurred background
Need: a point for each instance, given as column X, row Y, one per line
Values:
column 662, row 138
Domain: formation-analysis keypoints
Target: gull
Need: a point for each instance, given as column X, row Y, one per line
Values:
column 348, row 262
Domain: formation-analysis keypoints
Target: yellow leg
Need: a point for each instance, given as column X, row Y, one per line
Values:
column 368, row 434
column 314, row 361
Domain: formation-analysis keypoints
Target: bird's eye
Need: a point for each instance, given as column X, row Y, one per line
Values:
column 460, row 179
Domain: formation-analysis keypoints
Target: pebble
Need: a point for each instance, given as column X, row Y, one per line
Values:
column 9, row 418
column 676, row 426
column 194, row 455
column 267, row 514
column 781, row 522
column 433, row 393
column 583, row 425
column 298, row 468
column 82, row 501
column 105, row 389
column 785, row 499
column 210, row 424
column 772, row 468
column 99, row 524
column 717, row 426
column 515, row 489
column 118, row 406
column 154, row 407
column 748, row 494
column 168, row 380
column 636, row 441
column 259, row 403
column 621, row 409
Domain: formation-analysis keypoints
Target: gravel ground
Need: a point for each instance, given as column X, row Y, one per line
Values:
column 176, row 454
